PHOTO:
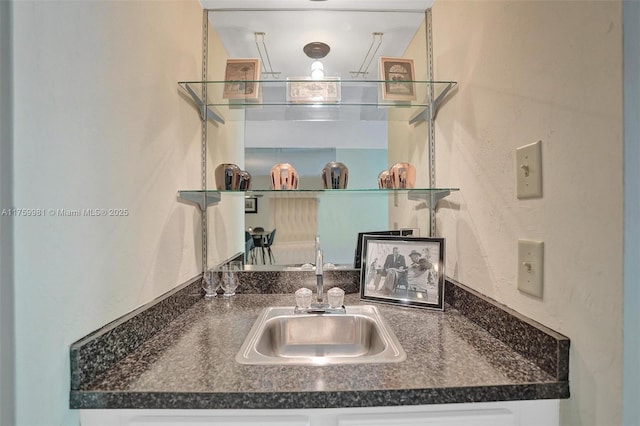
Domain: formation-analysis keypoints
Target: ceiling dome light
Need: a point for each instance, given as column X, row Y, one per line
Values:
column 316, row 50
column 317, row 70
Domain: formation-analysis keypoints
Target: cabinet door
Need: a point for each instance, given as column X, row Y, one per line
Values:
column 494, row 417
column 219, row 421
column 188, row 418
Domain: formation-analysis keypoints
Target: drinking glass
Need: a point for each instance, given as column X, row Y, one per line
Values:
column 210, row 284
column 230, row 278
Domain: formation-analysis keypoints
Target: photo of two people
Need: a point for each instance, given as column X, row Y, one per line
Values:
column 403, row 269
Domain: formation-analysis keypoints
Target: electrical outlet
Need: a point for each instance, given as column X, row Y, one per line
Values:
column 529, row 171
column 530, row 267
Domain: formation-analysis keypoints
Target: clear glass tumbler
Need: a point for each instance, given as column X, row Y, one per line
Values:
column 210, row 284
column 230, row 277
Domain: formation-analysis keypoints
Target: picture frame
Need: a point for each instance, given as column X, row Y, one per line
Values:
column 241, row 79
column 251, row 205
column 308, row 90
column 398, row 77
column 357, row 259
column 413, row 277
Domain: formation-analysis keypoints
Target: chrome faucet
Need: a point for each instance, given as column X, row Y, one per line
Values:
column 319, row 307
column 320, row 290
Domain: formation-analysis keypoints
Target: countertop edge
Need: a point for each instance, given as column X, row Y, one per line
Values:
column 317, row 399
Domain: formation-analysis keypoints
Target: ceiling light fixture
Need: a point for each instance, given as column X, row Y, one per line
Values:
column 316, row 50
column 317, row 70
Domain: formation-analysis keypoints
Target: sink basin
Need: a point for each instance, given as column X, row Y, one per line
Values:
column 280, row 337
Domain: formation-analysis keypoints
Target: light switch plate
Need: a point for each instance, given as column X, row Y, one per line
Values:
column 530, row 267
column 529, row 171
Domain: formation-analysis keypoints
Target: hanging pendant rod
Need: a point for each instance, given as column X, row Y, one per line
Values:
column 259, row 37
column 363, row 70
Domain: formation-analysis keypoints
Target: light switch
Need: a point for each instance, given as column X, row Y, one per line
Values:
column 529, row 171
column 530, row 270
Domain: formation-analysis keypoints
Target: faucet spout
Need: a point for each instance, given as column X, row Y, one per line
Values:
column 319, row 307
column 319, row 263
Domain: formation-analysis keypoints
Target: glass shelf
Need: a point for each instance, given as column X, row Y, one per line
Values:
column 205, row 198
column 318, row 100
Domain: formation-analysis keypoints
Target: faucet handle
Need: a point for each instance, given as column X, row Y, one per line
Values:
column 335, row 297
column 304, row 297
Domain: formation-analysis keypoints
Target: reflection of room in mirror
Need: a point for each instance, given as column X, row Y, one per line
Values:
column 337, row 230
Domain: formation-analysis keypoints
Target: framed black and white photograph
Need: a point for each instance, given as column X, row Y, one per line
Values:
column 308, row 90
column 357, row 260
column 403, row 270
column 398, row 75
column 241, row 77
column 251, row 205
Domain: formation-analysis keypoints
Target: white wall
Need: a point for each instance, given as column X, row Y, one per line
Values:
column 7, row 338
column 98, row 123
column 631, row 402
column 550, row 71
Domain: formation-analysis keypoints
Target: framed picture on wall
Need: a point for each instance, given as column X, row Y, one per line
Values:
column 398, row 75
column 240, row 78
column 403, row 270
column 251, row 205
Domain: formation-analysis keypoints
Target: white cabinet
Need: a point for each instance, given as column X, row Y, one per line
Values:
column 509, row 413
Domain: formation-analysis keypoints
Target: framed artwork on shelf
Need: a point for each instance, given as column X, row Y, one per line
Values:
column 403, row 270
column 251, row 205
column 240, row 78
column 398, row 75
column 308, row 90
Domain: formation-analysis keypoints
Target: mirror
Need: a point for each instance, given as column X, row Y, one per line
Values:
column 367, row 139
column 336, row 219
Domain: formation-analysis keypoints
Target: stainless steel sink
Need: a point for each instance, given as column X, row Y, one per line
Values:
column 281, row 337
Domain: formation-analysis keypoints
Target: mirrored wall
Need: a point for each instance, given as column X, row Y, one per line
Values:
column 362, row 130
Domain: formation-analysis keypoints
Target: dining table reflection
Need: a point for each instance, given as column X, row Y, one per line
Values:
column 259, row 242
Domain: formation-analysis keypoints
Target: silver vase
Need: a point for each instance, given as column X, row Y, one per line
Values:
column 227, row 177
column 384, row 180
column 403, row 176
column 245, row 181
column 284, row 176
column 335, row 175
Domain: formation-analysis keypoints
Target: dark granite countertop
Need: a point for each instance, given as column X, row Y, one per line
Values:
column 190, row 362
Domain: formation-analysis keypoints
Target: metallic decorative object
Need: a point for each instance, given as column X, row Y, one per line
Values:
column 384, row 180
column 403, row 176
column 227, row 177
column 335, row 175
column 245, row 181
column 284, row 176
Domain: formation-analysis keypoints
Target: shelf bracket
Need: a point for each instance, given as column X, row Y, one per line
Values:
column 430, row 197
column 431, row 111
column 206, row 112
column 203, row 199
column 421, row 116
column 436, row 103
